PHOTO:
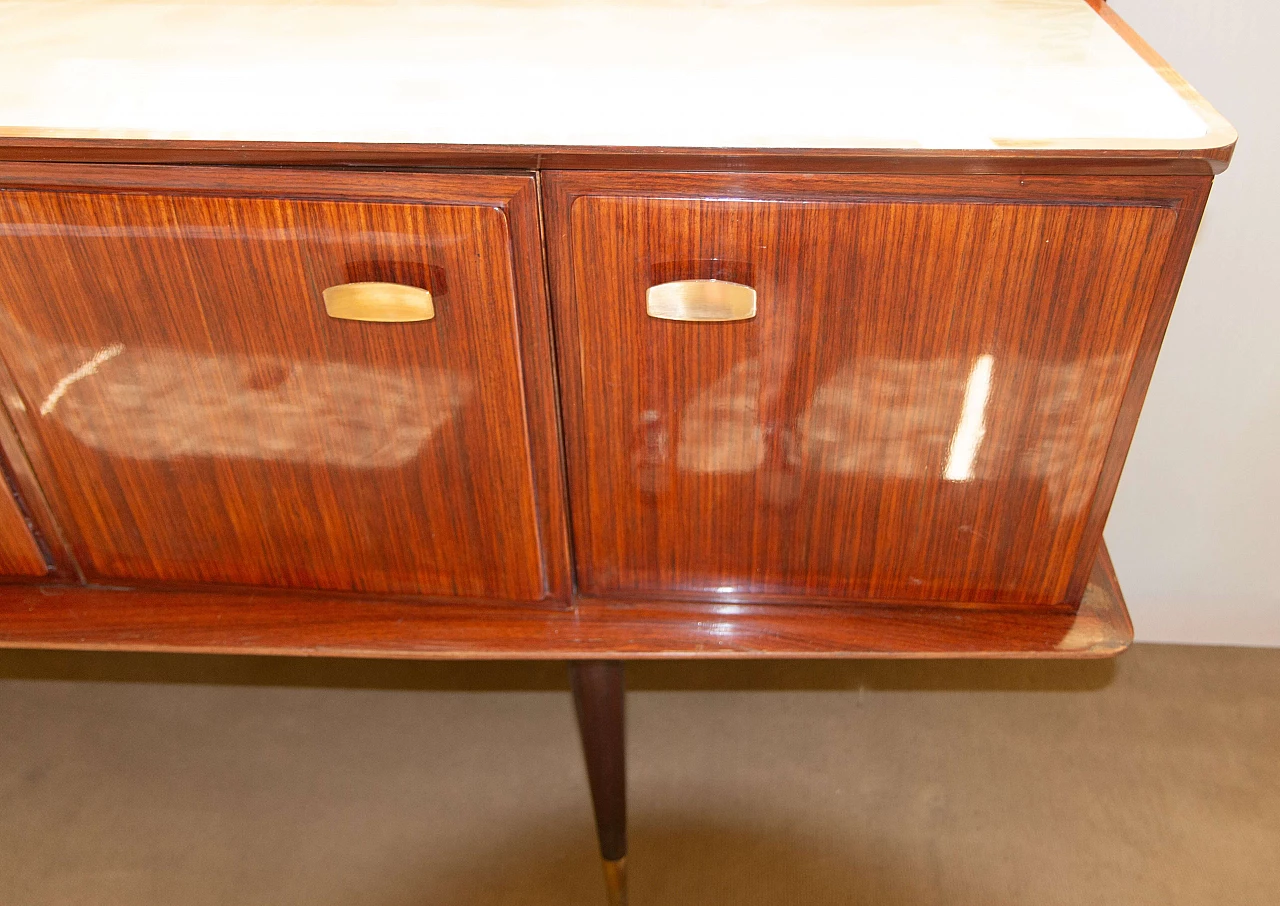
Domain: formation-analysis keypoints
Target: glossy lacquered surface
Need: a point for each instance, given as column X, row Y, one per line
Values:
column 20, row 555
column 925, row 407
column 265, row 622
column 197, row 417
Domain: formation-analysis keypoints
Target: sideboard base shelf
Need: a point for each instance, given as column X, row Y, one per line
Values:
column 334, row 626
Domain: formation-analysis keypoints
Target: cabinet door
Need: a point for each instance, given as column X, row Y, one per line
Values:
column 199, row 417
column 926, row 405
column 20, row 555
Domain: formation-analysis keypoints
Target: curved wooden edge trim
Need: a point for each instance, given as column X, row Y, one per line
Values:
column 295, row 624
column 183, row 152
column 1219, row 142
column 1102, row 626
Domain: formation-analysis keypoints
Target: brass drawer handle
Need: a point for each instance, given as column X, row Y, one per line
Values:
column 701, row 300
column 378, row 302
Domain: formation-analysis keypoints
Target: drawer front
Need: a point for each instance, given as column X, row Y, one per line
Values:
column 200, row 417
column 921, row 408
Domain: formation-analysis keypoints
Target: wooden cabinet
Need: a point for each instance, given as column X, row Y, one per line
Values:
column 923, row 406
column 542, row 332
column 902, row 438
column 199, row 417
column 928, row 402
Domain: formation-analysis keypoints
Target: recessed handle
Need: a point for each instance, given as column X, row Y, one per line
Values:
column 701, row 300
column 389, row 302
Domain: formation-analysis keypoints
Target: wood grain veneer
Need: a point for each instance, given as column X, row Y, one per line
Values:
column 810, row 452
column 20, row 554
column 535, row 157
column 197, row 418
column 267, row 622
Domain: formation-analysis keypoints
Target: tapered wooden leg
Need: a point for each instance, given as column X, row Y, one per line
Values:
column 598, row 691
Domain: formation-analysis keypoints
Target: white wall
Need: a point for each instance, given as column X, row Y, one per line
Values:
column 1195, row 530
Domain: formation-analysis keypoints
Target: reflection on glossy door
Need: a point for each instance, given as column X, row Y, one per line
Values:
column 204, row 420
column 919, row 410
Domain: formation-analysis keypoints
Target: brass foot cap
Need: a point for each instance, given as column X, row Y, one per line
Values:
column 615, row 880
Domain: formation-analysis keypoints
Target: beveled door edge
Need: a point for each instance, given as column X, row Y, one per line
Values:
column 16, row 439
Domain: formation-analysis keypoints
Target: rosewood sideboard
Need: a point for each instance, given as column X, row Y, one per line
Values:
column 575, row 330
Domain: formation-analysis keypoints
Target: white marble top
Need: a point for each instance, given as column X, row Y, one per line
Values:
column 954, row 74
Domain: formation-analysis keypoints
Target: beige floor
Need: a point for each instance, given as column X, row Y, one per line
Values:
column 132, row 780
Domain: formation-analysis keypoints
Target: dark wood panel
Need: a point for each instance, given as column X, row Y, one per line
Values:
column 921, row 410
column 526, row 157
column 1144, row 363
column 59, row 565
column 599, row 697
column 285, row 623
column 20, row 554
column 197, row 417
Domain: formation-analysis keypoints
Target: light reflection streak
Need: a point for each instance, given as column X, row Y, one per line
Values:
column 159, row 404
column 973, row 422
column 88, row 368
